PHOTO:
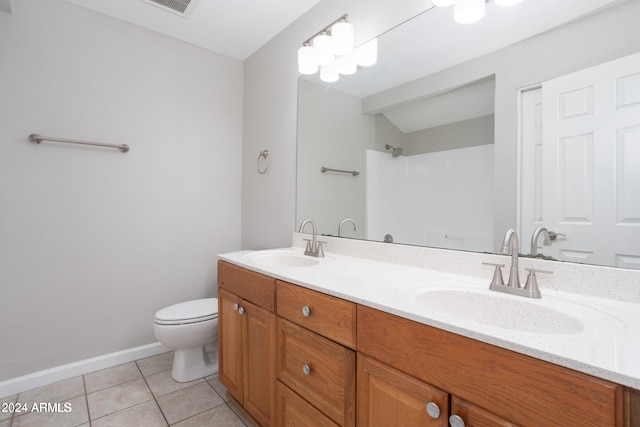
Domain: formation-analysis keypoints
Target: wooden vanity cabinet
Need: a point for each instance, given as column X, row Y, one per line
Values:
column 290, row 360
column 489, row 385
column 247, row 337
column 315, row 365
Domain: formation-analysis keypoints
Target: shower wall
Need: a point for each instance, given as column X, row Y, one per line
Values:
column 442, row 199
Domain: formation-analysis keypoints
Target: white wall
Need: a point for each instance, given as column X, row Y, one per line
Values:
column 465, row 133
column 339, row 137
column 93, row 241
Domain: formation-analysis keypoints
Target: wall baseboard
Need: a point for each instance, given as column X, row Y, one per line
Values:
column 59, row 373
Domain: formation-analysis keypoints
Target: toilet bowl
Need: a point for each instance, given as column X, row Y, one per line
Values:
column 191, row 329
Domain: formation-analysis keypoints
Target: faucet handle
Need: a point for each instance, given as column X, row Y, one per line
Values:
column 532, row 282
column 497, row 279
column 308, row 248
column 320, row 249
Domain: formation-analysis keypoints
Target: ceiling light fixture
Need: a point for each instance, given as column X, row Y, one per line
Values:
column 331, row 51
column 470, row 11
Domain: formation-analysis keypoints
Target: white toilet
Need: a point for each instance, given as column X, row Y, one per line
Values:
column 191, row 329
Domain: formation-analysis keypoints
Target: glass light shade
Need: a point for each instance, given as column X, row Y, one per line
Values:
column 367, row 54
column 443, row 3
column 468, row 11
column 503, row 3
column 347, row 65
column 307, row 60
column 329, row 73
column 323, row 49
column 342, row 37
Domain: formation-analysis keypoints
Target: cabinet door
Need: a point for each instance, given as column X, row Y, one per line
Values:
column 387, row 397
column 294, row 411
column 230, row 343
column 473, row 416
column 259, row 336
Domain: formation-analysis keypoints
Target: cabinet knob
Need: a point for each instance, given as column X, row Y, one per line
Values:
column 433, row 410
column 240, row 311
column 306, row 311
column 456, row 421
column 235, row 306
column 306, row 369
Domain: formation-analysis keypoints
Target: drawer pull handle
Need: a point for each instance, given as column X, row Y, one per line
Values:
column 306, row 311
column 433, row 410
column 456, row 421
column 240, row 311
column 235, row 306
column 306, row 369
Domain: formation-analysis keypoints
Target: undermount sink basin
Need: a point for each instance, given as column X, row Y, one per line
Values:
column 500, row 312
column 282, row 259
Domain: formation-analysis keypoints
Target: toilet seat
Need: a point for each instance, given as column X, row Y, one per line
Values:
column 184, row 313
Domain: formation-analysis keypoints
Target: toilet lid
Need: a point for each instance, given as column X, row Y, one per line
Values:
column 194, row 311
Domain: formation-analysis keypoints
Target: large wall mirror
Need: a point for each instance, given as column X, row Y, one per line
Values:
column 434, row 134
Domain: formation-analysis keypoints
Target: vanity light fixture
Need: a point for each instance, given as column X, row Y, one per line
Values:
column 331, row 51
column 470, row 11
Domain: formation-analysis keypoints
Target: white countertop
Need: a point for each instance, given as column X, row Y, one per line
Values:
column 598, row 336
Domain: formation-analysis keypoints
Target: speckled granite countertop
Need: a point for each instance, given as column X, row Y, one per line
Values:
column 592, row 334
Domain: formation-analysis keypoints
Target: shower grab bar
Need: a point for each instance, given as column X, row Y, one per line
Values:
column 37, row 139
column 323, row 170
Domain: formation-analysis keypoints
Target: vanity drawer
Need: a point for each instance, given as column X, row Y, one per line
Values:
column 331, row 317
column 319, row 370
column 254, row 287
column 292, row 410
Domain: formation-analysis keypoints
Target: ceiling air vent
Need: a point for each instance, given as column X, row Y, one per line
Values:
column 180, row 7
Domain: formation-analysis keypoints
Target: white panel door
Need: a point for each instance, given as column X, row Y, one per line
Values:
column 591, row 164
column 530, row 200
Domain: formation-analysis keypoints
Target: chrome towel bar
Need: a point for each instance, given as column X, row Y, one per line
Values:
column 323, row 170
column 37, row 139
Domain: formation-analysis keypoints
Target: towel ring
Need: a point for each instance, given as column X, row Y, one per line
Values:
column 265, row 154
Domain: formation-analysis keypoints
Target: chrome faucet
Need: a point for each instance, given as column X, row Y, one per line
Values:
column 344, row 221
column 534, row 239
column 511, row 246
column 314, row 246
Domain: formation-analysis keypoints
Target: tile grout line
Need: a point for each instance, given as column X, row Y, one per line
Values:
column 155, row 399
column 13, row 413
column 224, row 403
column 86, row 400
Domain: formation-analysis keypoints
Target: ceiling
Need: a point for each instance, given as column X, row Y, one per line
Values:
column 235, row 28
column 238, row 28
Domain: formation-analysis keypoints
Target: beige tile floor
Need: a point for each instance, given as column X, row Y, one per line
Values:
column 135, row 394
